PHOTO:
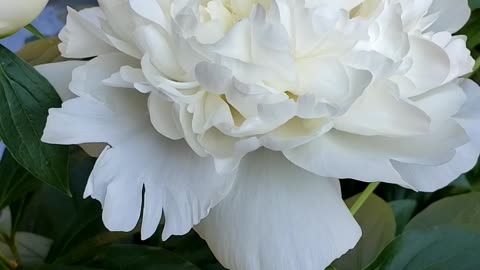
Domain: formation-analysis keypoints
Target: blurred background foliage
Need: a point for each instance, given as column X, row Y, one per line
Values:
column 42, row 227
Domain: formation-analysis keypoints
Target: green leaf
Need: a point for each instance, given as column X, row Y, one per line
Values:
column 49, row 212
column 441, row 248
column 403, row 210
column 474, row 4
column 377, row 221
column 3, row 266
column 15, row 181
column 85, row 223
column 194, row 249
column 25, row 97
column 18, row 208
column 82, row 226
column 134, row 257
column 460, row 186
column 59, row 267
column 462, row 211
column 46, row 212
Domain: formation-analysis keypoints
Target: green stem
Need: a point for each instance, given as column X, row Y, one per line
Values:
column 34, row 31
column 331, row 267
column 13, row 247
column 7, row 262
column 363, row 198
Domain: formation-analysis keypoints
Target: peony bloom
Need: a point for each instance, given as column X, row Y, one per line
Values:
column 238, row 117
column 16, row 14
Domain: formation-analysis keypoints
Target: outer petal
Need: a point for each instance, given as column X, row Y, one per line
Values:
column 380, row 111
column 469, row 114
column 82, row 36
column 137, row 157
column 452, row 15
column 369, row 158
column 466, row 156
column 279, row 217
column 59, row 75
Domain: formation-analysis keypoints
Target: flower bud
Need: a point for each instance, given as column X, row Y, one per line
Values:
column 16, row 14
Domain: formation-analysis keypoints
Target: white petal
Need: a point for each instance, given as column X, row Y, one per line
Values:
column 279, row 217
column 213, row 78
column 345, row 4
column 75, row 122
column 441, row 103
column 451, row 15
column 369, row 158
column 138, row 156
column 162, row 55
column 469, row 115
column 465, row 157
column 431, row 178
column 88, row 80
column 151, row 10
column 82, row 36
column 120, row 17
column 380, row 111
column 431, row 64
column 59, row 75
column 164, row 117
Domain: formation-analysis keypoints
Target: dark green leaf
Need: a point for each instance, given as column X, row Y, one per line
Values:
column 378, row 229
column 25, row 97
column 49, row 212
column 474, row 4
column 390, row 192
column 442, row 248
column 3, row 266
column 58, row 267
column 17, row 209
column 134, row 257
column 46, row 212
column 15, row 181
column 82, row 226
column 194, row 249
column 460, row 186
column 86, row 222
column 403, row 210
column 462, row 211
column 90, row 247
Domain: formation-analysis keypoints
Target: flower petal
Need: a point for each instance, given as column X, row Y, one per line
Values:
column 138, row 157
column 93, row 77
column 59, row 75
column 451, row 15
column 380, row 111
column 279, row 217
column 82, row 36
column 369, row 158
column 164, row 116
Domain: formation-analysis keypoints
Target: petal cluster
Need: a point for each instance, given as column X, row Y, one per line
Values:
column 240, row 116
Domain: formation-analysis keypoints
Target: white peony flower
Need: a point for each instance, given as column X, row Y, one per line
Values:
column 14, row 15
column 238, row 117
